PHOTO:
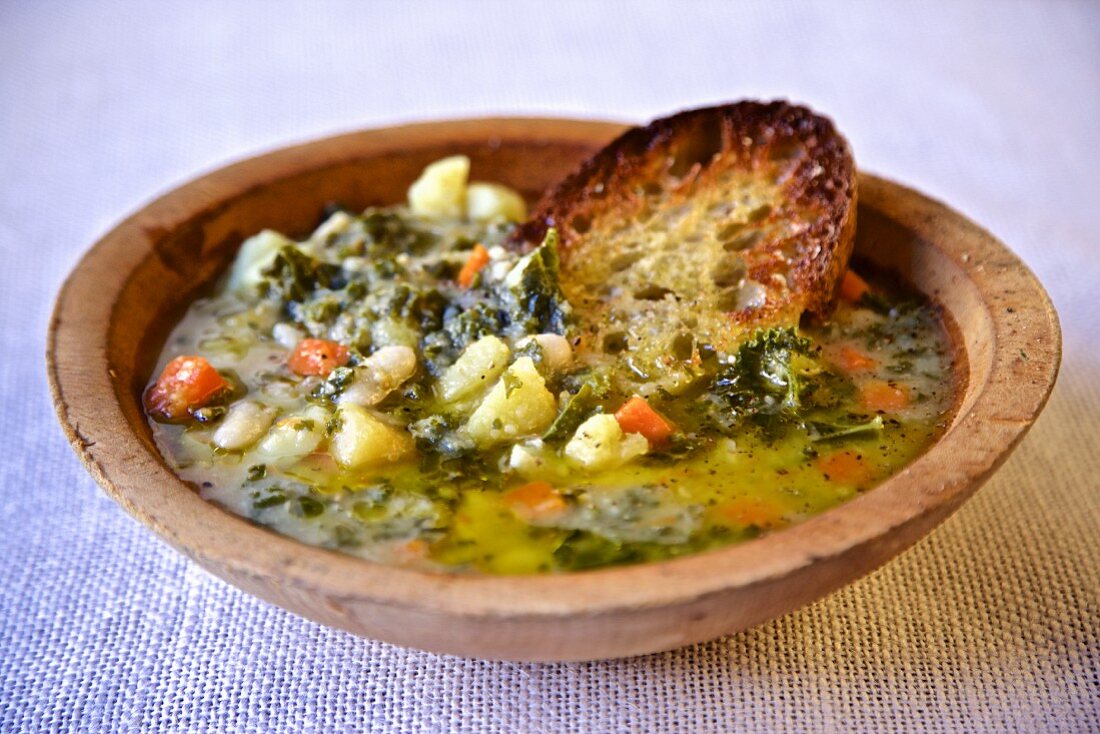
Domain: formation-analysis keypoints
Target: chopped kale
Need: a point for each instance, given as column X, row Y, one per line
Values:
column 532, row 297
column 294, row 276
column 829, row 430
column 272, row 497
column 437, row 434
column 576, row 411
column 389, row 232
column 584, row 549
column 760, row 384
column 308, row 507
column 465, row 326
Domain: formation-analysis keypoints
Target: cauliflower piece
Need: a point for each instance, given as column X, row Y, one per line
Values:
column 600, row 444
column 485, row 201
column 441, row 189
column 518, row 405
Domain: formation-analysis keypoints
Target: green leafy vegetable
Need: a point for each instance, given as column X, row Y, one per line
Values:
column 335, row 384
column 293, row 276
column 576, row 411
column 761, row 384
column 532, row 296
column 829, row 430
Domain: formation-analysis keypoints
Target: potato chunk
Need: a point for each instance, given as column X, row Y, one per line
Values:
column 441, row 189
column 600, row 444
column 485, row 201
column 518, row 405
column 362, row 440
column 475, row 369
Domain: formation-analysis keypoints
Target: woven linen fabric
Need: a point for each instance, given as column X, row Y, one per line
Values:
column 989, row 624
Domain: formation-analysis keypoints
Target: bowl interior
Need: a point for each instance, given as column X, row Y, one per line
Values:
column 114, row 313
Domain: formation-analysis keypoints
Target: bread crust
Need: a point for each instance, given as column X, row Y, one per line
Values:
column 789, row 164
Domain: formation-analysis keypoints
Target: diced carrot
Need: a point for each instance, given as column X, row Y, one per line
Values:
column 317, row 357
column 749, row 511
column 852, row 287
column 883, row 397
column 479, row 258
column 844, row 467
column 635, row 416
column 185, row 384
column 410, row 550
column 851, row 359
column 535, row 501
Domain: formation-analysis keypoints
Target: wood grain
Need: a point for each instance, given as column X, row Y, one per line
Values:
column 116, row 308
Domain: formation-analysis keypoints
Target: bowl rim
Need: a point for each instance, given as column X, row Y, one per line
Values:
column 87, row 405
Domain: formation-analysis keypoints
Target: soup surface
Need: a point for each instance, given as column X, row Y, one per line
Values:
column 402, row 387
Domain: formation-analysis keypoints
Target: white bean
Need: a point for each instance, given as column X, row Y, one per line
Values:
column 556, row 349
column 379, row 375
column 294, row 437
column 244, row 425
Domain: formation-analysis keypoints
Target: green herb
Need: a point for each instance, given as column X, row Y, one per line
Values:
column 309, row 507
column 275, row 497
column 511, row 383
column 256, row 472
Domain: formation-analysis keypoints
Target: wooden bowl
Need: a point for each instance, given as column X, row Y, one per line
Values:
column 115, row 310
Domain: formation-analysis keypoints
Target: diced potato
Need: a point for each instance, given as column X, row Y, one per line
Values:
column 379, row 375
column 557, row 352
column 441, row 189
column 256, row 254
column 518, row 405
column 294, row 437
column 475, row 369
column 245, row 424
column 600, row 444
column 485, row 201
column 362, row 440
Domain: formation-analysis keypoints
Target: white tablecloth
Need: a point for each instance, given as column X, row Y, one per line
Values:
column 991, row 623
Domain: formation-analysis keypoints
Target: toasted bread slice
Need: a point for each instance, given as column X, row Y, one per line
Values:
column 711, row 223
